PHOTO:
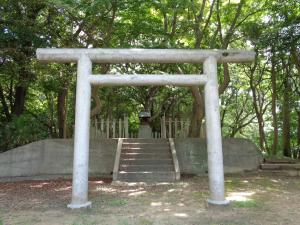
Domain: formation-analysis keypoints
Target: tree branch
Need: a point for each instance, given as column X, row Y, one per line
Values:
column 233, row 25
column 226, row 81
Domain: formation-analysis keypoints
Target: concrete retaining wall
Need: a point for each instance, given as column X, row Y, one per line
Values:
column 239, row 155
column 53, row 158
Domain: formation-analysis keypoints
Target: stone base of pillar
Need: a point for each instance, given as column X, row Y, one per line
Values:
column 215, row 202
column 80, row 206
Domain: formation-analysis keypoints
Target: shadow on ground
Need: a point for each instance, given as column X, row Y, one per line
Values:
column 255, row 199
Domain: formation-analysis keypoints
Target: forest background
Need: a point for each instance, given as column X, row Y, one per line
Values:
column 259, row 101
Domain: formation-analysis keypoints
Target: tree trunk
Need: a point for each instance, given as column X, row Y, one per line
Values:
column 4, row 105
column 95, row 96
column 262, row 137
column 295, row 58
column 196, row 121
column 258, row 110
column 286, row 129
column 51, row 108
column 62, row 112
column 197, row 113
column 259, row 117
column 274, row 99
column 298, row 133
column 19, row 104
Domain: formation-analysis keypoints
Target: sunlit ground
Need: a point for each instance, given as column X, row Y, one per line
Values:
column 255, row 199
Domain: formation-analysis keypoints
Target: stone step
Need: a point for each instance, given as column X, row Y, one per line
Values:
column 153, row 176
column 151, row 167
column 167, row 161
column 292, row 173
column 146, row 150
column 280, row 166
column 155, row 145
column 146, row 160
column 136, row 156
column 144, row 145
column 144, row 140
column 279, row 161
column 146, row 153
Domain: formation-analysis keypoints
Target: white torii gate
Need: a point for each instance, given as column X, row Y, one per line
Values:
column 85, row 78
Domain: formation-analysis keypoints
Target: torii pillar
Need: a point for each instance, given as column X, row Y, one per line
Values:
column 85, row 78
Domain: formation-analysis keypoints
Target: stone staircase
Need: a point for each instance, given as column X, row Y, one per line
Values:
column 290, row 167
column 146, row 160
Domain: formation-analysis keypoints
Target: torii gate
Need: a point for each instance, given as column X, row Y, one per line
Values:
column 85, row 78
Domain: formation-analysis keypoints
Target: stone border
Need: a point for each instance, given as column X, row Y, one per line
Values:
column 175, row 159
column 117, row 159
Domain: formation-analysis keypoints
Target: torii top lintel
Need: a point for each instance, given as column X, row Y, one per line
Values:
column 134, row 55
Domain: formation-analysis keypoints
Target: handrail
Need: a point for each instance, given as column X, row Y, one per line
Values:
column 117, row 159
column 175, row 159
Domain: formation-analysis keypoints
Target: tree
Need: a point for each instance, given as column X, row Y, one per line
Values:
column 258, row 101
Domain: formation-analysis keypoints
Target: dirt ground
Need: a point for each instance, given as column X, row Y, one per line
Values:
column 255, row 199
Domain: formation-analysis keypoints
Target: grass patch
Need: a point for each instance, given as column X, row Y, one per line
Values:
column 200, row 195
column 245, row 204
column 142, row 200
column 84, row 223
column 232, row 184
column 123, row 222
column 1, row 222
column 118, row 202
column 297, row 184
column 265, row 182
column 145, row 221
column 23, row 221
column 84, row 220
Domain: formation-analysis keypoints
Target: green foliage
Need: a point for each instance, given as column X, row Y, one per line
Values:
column 144, row 221
column 245, row 204
column 85, row 220
column 258, row 25
column 22, row 130
column 118, row 202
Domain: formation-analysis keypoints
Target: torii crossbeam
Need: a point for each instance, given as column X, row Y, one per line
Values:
column 85, row 78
